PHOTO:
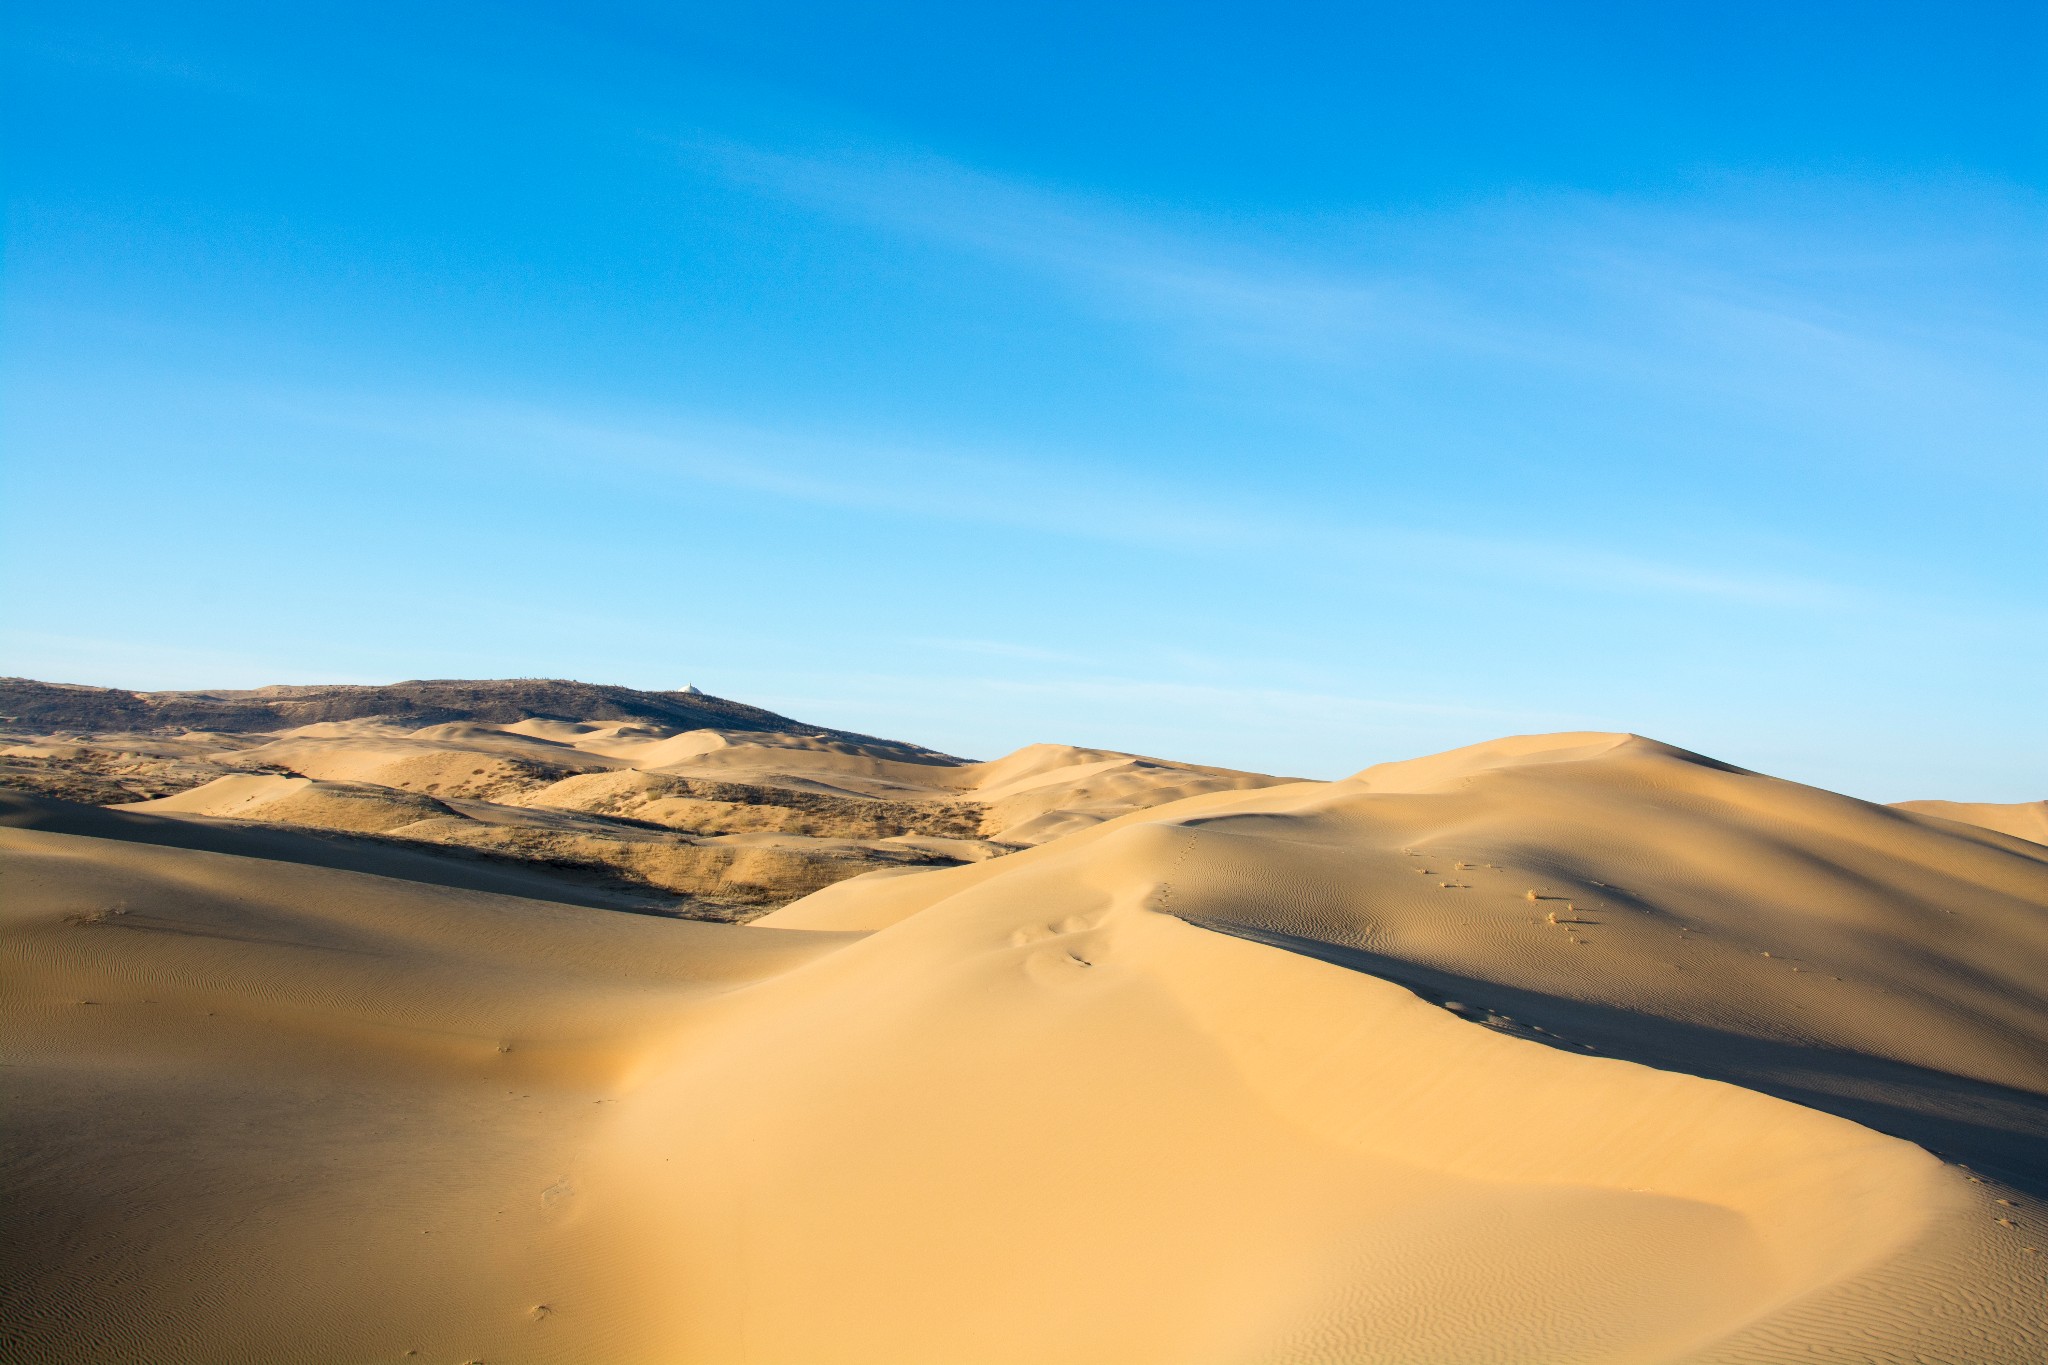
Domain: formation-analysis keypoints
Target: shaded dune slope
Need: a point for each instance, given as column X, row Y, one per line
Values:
column 314, row 848
column 1612, row 891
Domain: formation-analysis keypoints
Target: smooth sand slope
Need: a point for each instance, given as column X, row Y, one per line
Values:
column 1297, row 1073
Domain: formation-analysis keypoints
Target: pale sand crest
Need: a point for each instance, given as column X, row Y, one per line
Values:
column 2021, row 819
column 1279, row 1073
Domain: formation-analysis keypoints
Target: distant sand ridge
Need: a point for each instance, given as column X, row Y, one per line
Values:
column 2022, row 819
column 674, row 801
column 1572, row 1048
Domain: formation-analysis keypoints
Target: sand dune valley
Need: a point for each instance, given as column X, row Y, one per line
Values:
column 541, row 1021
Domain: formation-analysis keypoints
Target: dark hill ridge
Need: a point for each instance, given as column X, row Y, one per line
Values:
column 26, row 704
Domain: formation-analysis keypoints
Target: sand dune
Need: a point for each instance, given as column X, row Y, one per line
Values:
column 300, row 801
column 268, row 1112
column 373, row 854
column 2021, row 819
column 1283, row 1072
column 720, row 823
column 603, row 795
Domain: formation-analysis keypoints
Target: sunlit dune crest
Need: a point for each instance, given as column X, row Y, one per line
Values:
column 2021, row 819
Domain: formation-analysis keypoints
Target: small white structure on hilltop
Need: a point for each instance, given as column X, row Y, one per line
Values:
column 691, row 690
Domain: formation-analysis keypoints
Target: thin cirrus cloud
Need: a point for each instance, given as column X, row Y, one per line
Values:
column 1802, row 308
column 1113, row 259
column 987, row 488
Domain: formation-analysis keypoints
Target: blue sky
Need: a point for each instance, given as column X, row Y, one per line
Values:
column 1291, row 387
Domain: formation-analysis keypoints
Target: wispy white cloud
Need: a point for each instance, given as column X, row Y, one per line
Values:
column 1793, row 306
column 849, row 471
column 996, row 489
column 1238, row 295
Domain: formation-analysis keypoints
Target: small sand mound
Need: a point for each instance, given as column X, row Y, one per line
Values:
column 356, row 807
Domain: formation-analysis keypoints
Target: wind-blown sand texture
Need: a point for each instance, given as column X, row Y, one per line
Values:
column 1568, row 1048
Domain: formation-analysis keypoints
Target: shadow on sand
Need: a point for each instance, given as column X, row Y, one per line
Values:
column 1995, row 1131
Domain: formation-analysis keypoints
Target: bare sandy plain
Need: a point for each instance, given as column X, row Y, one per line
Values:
column 1564, row 1048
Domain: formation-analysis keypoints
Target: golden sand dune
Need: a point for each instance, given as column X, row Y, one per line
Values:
column 2021, row 819
column 1566, row 1048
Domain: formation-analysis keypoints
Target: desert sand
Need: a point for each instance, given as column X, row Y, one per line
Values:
column 2023, row 819
column 676, row 802
column 1564, row 1048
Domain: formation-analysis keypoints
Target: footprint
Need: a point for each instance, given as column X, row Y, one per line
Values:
column 1056, row 966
